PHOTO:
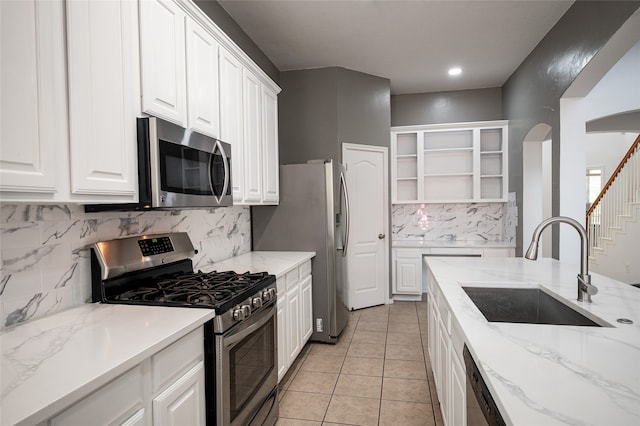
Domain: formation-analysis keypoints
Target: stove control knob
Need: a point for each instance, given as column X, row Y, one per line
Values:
column 246, row 309
column 272, row 293
column 256, row 302
column 238, row 314
column 266, row 296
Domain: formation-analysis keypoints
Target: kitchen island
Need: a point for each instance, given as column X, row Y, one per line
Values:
column 540, row 374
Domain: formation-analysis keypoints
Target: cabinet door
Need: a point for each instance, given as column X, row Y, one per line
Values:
column 433, row 323
column 293, row 323
column 252, row 137
column 270, row 172
column 306, row 313
column 103, row 80
column 458, row 404
column 283, row 351
column 183, row 402
column 202, row 80
column 33, row 91
column 408, row 272
column 231, row 118
column 162, row 57
column 442, row 372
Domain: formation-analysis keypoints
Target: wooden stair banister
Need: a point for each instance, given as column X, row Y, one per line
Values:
column 615, row 174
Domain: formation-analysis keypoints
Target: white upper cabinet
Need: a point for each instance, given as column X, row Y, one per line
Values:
column 202, row 80
column 33, row 94
column 270, row 175
column 79, row 148
column 227, row 96
column 102, row 40
column 162, row 45
column 252, row 118
column 464, row 162
column 231, row 118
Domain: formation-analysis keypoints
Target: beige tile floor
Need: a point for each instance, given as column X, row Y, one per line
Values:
column 377, row 374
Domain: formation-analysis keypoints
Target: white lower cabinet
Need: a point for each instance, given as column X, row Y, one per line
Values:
column 409, row 268
column 293, row 326
column 445, row 345
column 166, row 389
column 281, row 313
column 458, row 390
column 306, row 305
column 407, row 271
column 183, row 402
column 295, row 315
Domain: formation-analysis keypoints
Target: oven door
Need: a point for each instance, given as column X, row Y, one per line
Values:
column 247, row 377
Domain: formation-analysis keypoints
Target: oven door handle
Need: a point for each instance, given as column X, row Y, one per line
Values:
column 236, row 336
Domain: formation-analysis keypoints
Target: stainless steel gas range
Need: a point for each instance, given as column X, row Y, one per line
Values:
column 241, row 378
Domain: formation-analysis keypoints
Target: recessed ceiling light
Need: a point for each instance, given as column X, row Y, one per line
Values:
column 455, row 71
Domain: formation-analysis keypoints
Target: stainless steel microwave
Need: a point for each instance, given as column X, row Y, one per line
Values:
column 178, row 168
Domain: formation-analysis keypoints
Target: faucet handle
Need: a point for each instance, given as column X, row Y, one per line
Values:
column 584, row 281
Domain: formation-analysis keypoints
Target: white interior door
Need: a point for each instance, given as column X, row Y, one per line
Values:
column 368, row 253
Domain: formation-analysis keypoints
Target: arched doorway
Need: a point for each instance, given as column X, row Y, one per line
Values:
column 536, row 183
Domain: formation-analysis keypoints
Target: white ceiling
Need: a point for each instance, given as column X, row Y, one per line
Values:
column 412, row 43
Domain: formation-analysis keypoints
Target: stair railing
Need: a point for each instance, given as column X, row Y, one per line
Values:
column 614, row 201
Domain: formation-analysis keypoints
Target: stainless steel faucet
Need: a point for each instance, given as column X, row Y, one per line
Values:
column 585, row 288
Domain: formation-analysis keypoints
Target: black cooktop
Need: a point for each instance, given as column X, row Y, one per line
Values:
column 198, row 289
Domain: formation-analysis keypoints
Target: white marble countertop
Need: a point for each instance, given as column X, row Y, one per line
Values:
column 50, row 363
column 277, row 263
column 550, row 374
column 451, row 243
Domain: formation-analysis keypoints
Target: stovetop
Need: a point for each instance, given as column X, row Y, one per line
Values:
column 214, row 290
column 157, row 270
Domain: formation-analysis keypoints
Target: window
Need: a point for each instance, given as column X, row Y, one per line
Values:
column 594, row 183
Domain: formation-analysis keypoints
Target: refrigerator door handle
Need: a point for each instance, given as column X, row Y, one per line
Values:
column 345, row 236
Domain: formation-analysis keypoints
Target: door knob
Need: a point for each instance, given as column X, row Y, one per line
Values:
column 380, row 236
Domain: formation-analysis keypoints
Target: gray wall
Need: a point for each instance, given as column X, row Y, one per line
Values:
column 532, row 94
column 447, row 107
column 363, row 108
column 216, row 12
column 319, row 109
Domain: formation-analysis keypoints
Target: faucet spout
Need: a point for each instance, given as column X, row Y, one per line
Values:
column 585, row 288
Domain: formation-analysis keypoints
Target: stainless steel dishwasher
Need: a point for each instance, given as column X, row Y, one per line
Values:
column 481, row 408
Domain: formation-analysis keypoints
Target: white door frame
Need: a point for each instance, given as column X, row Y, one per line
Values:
column 385, row 155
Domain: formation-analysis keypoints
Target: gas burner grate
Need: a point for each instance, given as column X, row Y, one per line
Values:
column 212, row 289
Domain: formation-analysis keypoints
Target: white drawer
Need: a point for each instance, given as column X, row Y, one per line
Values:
column 281, row 285
column 305, row 269
column 174, row 360
column 117, row 401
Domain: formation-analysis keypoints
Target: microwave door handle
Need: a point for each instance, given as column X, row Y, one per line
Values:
column 227, row 172
column 218, row 147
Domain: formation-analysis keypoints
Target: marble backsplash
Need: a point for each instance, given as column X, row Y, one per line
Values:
column 452, row 221
column 45, row 249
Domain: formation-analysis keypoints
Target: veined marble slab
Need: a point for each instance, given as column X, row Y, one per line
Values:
column 50, row 363
column 550, row 374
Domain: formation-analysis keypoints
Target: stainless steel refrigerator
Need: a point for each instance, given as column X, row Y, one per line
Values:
column 313, row 215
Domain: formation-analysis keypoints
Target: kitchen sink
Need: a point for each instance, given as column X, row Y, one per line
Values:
column 524, row 305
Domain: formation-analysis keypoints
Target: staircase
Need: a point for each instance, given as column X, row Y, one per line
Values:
column 613, row 222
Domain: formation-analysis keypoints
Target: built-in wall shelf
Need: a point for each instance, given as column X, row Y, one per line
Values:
column 460, row 162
